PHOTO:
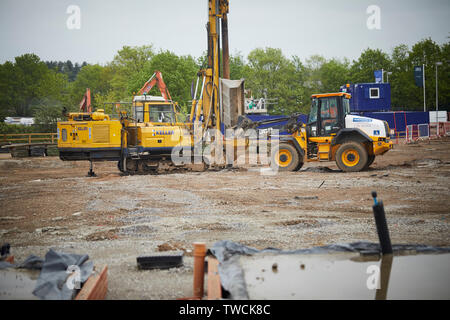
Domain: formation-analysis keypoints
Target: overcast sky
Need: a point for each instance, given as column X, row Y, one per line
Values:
column 328, row 27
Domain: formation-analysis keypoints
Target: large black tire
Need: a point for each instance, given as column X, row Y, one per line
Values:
column 370, row 160
column 352, row 157
column 286, row 158
column 299, row 166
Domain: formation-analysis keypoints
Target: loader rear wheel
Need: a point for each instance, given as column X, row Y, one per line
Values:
column 286, row 158
column 351, row 157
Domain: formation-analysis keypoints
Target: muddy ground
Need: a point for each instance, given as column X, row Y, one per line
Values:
column 47, row 203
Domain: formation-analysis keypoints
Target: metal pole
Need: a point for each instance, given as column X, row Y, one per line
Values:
column 438, row 63
column 225, row 48
column 437, row 108
column 423, row 79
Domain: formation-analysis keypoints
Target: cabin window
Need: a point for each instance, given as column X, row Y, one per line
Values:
column 138, row 113
column 346, row 104
column 64, row 134
column 374, row 93
column 161, row 113
column 313, row 113
column 329, row 115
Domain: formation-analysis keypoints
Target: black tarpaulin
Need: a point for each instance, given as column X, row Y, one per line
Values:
column 55, row 272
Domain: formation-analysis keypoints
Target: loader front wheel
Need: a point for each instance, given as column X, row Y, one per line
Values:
column 286, row 158
column 351, row 157
column 370, row 161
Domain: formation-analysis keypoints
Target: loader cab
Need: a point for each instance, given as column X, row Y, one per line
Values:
column 153, row 109
column 327, row 115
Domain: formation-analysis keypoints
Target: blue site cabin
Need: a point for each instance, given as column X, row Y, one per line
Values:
column 373, row 100
column 369, row 97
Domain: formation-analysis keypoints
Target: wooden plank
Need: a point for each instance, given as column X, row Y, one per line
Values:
column 96, row 286
column 17, row 139
column 214, row 286
column 29, row 137
column 29, row 134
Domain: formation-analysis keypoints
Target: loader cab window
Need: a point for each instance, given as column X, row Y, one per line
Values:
column 311, row 128
column 313, row 113
column 346, row 106
column 329, row 116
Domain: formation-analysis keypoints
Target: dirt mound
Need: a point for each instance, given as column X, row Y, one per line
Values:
column 103, row 235
column 301, row 223
column 174, row 246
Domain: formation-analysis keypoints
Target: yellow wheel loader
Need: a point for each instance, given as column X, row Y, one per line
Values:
column 332, row 134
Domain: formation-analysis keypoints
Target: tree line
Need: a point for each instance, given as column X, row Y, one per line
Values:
column 31, row 87
column 67, row 67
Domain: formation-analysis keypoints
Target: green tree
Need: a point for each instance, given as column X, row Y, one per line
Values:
column 444, row 78
column 320, row 75
column 237, row 66
column 404, row 92
column 128, row 62
column 313, row 76
column 106, row 101
column 25, row 81
column 16, row 128
column 269, row 72
column 7, row 88
column 47, row 113
column 334, row 73
column 178, row 73
column 362, row 70
column 66, row 68
column 426, row 52
column 95, row 77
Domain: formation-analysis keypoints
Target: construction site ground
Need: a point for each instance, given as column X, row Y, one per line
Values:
column 47, row 203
